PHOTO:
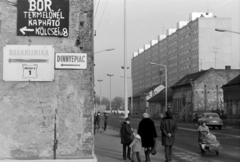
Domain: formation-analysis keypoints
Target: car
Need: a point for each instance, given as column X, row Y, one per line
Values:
column 211, row 119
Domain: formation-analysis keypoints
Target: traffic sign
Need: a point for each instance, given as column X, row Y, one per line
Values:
column 43, row 18
column 28, row 63
column 70, row 61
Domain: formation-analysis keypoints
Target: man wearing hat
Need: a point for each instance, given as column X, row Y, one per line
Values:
column 126, row 138
column 168, row 127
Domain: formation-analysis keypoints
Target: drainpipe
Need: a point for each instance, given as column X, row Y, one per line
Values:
column 55, row 141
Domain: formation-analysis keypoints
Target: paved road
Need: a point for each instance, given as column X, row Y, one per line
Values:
column 186, row 148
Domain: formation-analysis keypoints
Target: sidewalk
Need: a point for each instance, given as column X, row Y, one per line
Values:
column 108, row 148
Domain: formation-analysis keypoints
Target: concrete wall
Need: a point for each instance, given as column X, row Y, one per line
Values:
column 27, row 109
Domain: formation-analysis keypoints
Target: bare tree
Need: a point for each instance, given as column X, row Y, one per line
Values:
column 117, row 103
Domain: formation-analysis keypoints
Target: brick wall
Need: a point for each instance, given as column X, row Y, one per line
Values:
column 27, row 109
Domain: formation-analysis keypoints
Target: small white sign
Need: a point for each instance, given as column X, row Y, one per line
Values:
column 28, row 63
column 70, row 61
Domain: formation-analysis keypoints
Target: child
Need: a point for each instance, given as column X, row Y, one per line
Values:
column 136, row 146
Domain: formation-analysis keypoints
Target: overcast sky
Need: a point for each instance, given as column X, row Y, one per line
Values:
column 146, row 19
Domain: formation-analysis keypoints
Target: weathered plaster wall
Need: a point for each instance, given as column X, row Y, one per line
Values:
column 206, row 100
column 27, row 109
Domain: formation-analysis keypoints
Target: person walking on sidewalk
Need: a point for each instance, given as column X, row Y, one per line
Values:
column 147, row 131
column 105, row 121
column 168, row 128
column 126, row 138
column 101, row 122
column 136, row 146
column 95, row 123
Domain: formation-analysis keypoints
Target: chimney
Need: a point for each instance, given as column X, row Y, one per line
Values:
column 228, row 70
column 228, row 67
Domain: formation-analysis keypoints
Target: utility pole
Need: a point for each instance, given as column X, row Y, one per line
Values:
column 100, row 91
column 215, row 58
column 201, row 63
column 125, row 60
column 110, row 101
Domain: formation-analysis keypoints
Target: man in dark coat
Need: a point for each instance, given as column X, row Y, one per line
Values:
column 126, row 133
column 168, row 128
column 105, row 121
column 147, row 131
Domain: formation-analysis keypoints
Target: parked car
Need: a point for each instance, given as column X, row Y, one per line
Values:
column 211, row 119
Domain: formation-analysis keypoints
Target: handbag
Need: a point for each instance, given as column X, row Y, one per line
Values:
column 154, row 151
column 154, row 148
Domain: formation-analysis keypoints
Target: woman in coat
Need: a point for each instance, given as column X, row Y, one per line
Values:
column 147, row 131
column 168, row 128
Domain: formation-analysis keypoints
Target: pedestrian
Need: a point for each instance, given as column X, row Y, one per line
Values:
column 202, row 130
column 95, row 122
column 126, row 138
column 105, row 121
column 148, row 134
column 101, row 122
column 168, row 128
column 136, row 146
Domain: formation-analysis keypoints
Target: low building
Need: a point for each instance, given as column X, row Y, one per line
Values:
column 201, row 91
column 157, row 103
column 140, row 104
column 231, row 96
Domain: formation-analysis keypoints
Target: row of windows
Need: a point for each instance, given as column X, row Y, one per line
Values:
column 163, row 55
column 163, row 49
column 172, row 65
column 173, row 57
column 172, row 71
column 184, row 60
column 184, row 53
column 184, row 45
column 173, row 36
column 194, row 56
column 155, row 53
column 172, row 51
column 194, row 40
column 172, row 44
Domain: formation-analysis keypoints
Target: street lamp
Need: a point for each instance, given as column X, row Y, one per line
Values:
column 165, row 66
column 224, row 30
column 110, row 75
column 100, row 91
column 110, row 49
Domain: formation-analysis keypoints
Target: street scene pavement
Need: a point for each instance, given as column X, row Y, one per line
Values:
column 109, row 149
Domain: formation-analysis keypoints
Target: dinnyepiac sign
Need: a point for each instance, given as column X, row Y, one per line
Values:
column 70, row 61
column 43, row 18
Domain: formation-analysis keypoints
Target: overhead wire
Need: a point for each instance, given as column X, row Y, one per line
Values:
column 102, row 14
column 96, row 10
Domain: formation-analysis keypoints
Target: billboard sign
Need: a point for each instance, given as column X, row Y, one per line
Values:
column 43, row 18
column 28, row 63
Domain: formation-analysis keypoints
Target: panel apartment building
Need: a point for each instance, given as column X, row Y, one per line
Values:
column 193, row 46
